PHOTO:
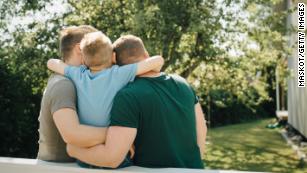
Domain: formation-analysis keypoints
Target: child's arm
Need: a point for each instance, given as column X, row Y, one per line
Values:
column 56, row 65
column 154, row 63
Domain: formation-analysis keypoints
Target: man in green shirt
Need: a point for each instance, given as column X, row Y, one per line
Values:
column 158, row 113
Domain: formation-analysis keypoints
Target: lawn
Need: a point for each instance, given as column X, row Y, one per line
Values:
column 252, row 147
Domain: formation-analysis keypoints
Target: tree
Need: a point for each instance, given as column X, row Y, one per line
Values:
column 228, row 50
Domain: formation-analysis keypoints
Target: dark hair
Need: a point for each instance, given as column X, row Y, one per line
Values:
column 128, row 49
column 71, row 36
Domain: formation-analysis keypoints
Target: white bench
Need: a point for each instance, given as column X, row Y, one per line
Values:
column 19, row 165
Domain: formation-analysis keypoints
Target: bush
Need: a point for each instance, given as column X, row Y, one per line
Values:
column 18, row 118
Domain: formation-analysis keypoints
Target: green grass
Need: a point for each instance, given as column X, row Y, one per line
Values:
column 250, row 147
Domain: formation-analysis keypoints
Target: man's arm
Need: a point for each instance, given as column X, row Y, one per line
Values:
column 56, row 65
column 154, row 63
column 72, row 132
column 201, row 129
column 112, row 153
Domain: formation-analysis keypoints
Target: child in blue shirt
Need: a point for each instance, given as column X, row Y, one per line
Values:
column 98, row 81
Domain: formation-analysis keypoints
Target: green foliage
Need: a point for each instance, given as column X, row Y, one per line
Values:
column 195, row 37
column 164, row 27
column 23, row 58
column 19, row 128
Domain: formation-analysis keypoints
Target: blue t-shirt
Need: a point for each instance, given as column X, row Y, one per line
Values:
column 96, row 91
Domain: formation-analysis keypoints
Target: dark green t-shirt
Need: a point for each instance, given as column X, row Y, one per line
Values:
column 162, row 110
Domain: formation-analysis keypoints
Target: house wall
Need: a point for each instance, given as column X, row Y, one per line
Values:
column 297, row 97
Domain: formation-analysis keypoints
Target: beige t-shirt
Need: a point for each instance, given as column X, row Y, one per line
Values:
column 59, row 93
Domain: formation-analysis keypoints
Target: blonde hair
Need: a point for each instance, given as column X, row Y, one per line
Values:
column 71, row 36
column 97, row 49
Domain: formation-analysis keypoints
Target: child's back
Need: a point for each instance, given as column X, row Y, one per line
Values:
column 96, row 91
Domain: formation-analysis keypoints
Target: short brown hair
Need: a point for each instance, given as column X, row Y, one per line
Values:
column 128, row 49
column 71, row 36
column 97, row 49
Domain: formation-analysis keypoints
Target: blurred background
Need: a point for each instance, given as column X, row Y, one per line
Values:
column 235, row 53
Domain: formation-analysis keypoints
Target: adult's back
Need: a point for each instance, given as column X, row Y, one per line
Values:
column 59, row 93
column 162, row 110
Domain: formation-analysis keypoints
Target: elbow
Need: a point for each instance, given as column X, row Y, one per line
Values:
column 113, row 161
column 67, row 139
column 113, row 165
column 161, row 61
column 50, row 63
column 69, row 151
column 70, row 138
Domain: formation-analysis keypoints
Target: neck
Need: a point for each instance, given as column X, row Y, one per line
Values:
column 72, row 62
column 95, row 69
column 151, row 74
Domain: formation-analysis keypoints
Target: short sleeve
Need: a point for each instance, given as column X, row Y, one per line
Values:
column 73, row 72
column 125, row 111
column 126, row 73
column 62, row 95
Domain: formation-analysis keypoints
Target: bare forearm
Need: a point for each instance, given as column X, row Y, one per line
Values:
column 88, row 136
column 154, row 63
column 112, row 153
column 56, row 65
column 74, row 133
column 98, row 155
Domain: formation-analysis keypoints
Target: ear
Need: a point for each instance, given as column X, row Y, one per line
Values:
column 77, row 48
column 114, row 58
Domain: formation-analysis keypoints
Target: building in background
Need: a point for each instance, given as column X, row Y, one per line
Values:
column 297, row 97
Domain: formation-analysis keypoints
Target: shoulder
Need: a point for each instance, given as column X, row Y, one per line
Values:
column 59, row 80
column 79, row 68
column 130, row 91
column 58, row 83
column 126, row 91
column 178, row 78
column 59, row 93
column 72, row 70
column 114, row 68
column 183, row 83
column 123, row 68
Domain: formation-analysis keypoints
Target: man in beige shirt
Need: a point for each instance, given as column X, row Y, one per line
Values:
column 59, row 123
